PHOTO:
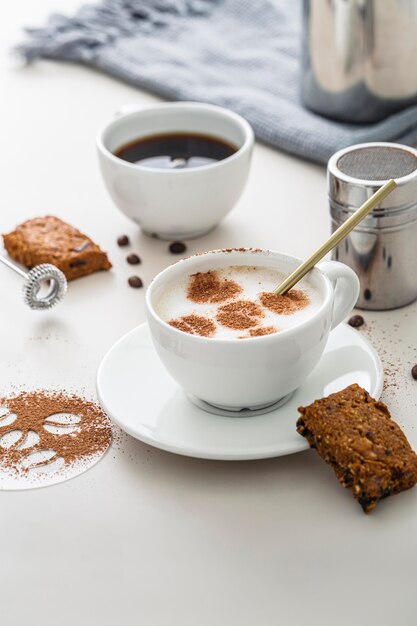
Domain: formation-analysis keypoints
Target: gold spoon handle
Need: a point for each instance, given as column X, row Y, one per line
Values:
column 336, row 237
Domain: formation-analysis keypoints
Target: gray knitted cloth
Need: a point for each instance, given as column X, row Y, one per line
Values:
column 240, row 54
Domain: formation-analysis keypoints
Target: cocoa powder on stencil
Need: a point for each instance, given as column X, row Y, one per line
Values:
column 194, row 325
column 89, row 436
column 207, row 287
column 293, row 301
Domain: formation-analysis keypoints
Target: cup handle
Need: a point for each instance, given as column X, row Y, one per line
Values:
column 346, row 288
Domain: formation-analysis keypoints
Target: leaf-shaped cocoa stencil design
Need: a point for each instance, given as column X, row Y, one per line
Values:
column 240, row 314
column 62, row 423
column 195, row 325
column 207, row 287
column 60, row 426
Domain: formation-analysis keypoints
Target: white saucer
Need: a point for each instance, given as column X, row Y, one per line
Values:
column 140, row 396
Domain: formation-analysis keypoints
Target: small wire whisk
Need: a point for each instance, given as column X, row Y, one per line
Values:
column 35, row 294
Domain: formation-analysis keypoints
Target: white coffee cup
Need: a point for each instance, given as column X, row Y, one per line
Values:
column 177, row 203
column 256, row 372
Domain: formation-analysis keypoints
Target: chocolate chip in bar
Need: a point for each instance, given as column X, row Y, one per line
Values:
column 414, row 372
column 135, row 282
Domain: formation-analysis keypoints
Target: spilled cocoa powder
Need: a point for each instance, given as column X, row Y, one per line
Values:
column 207, row 287
column 194, row 325
column 90, row 436
column 250, row 250
column 293, row 301
column 240, row 315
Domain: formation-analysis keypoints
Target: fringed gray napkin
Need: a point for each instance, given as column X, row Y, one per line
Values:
column 241, row 54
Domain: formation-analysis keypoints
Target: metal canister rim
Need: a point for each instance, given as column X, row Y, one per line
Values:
column 351, row 192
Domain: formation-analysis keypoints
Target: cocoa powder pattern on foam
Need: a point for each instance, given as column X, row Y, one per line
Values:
column 240, row 315
column 35, row 410
column 260, row 331
column 207, row 287
column 194, row 325
column 294, row 300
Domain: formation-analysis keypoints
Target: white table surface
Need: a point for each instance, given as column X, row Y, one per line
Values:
column 147, row 537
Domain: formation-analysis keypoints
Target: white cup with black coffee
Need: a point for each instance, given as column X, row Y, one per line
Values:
column 176, row 168
column 228, row 340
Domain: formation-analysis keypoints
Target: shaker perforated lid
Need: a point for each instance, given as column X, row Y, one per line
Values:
column 355, row 173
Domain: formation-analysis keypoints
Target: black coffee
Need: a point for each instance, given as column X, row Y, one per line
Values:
column 175, row 151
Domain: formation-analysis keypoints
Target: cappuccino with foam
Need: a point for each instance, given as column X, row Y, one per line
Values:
column 236, row 302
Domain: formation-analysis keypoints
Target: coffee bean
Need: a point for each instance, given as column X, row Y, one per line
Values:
column 177, row 247
column 135, row 281
column 356, row 321
column 414, row 372
column 133, row 259
column 123, row 240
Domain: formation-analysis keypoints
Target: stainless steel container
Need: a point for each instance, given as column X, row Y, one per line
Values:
column 359, row 57
column 383, row 248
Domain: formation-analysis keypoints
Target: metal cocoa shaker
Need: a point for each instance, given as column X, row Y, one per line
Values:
column 382, row 250
column 359, row 58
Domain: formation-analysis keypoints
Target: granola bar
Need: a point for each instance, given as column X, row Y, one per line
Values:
column 368, row 451
column 50, row 240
